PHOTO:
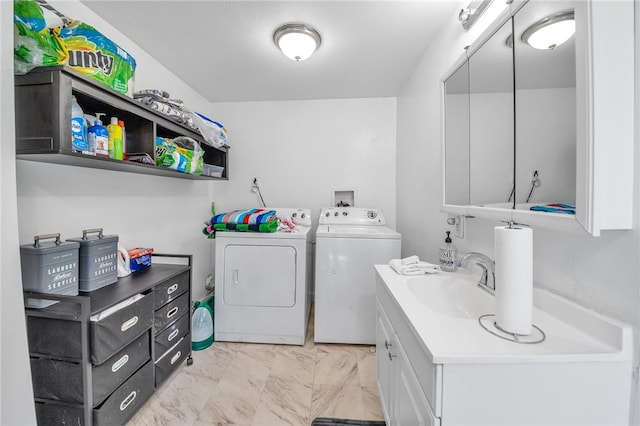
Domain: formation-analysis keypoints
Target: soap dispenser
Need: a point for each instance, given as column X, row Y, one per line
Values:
column 448, row 255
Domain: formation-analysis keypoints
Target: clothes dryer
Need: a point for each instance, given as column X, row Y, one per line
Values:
column 349, row 241
column 263, row 283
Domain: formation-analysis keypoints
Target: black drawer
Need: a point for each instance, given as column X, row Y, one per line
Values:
column 171, row 335
column 172, row 359
column 61, row 380
column 113, row 332
column 55, row 414
column 170, row 312
column 127, row 399
column 171, row 289
column 116, row 410
column 61, row 337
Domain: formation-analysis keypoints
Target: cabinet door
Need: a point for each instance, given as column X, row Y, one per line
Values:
column 410, row 406
column 384, row 335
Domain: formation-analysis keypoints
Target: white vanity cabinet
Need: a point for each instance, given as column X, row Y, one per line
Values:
column 402, row 398
column 438, row 369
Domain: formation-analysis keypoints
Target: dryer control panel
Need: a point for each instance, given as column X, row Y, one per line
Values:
column 351, row 216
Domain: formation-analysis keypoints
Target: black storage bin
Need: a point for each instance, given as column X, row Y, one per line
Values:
column 111, row 333
column 172, row 359
column 171, row 289
column 171, row 312
column 171, row 335
column 127, row 399
column 62, row 380
column 58, row 337
column 56, row 414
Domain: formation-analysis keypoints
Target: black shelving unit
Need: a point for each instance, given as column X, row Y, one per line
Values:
column 94, row 372
column 43, row 124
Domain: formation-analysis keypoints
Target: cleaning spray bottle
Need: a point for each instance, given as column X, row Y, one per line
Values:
column 79, row 142
column 448, row 255
column 99, row 138
column 115, row 139
column 124, row 140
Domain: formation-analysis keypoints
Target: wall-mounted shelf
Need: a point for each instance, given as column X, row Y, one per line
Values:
column 43, row 124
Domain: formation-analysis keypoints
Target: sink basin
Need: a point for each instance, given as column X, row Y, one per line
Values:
column 452, row 294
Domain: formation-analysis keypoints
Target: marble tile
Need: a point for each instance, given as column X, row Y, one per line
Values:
column 371, row 401
column 337, row 368
column 296, row 365
column 255, row 384
column 284, row 402
column 233, row 402
column 367, row 370
column 337, row 401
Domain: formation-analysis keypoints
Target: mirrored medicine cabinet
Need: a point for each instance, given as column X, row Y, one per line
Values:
column 526, row 126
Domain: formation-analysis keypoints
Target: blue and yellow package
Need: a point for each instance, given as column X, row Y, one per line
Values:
column 94, row 55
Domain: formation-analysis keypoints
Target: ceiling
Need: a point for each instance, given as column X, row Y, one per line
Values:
column 225, row 49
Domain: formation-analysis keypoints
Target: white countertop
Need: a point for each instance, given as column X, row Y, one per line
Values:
column 573, row 332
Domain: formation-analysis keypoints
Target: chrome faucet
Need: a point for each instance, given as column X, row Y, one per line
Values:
column 488, row 279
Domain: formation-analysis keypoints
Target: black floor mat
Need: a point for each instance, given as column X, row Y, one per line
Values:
column 327, row 421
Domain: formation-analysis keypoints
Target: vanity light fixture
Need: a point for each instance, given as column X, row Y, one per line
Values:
column 550, row 32
column 297, row 41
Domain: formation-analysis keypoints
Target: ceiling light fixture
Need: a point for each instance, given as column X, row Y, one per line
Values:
column 551, row 31
column 297, row 41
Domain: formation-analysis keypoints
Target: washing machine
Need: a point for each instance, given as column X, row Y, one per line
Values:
column 263, row 283
column 349, row 241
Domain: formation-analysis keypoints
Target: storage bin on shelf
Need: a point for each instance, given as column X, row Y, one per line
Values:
column 211, row 170
column 98, row 259
column 49, row 267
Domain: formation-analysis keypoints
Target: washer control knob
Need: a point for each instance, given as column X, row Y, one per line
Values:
column 344, row 213
column 372, row 214
column 294, row 214
column 336, row 214
column 327, row 214
column 303, row 215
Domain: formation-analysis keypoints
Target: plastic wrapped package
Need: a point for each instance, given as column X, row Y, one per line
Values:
column 183, row 154
column 213, row 132
column 35, row 45
column 94, row 55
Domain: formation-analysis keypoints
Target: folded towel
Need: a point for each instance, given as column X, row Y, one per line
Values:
column 409, row 260
column 418, row 268
column 250, row 216
column 252, row 220
column 555, row 208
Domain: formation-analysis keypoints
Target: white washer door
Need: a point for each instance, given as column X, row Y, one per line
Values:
column 260, row 275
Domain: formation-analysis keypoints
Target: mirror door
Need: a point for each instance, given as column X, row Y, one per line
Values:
column 545, row 105
column 491, row 120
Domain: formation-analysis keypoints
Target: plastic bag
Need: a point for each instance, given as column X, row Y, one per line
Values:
column 213, row 132
column 34, row 44
column 170, row 155
column 94, row 55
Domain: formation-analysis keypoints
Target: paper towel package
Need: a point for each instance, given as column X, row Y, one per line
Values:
column 514, row 279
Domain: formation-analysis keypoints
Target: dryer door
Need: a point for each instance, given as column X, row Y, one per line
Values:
column 262, row 275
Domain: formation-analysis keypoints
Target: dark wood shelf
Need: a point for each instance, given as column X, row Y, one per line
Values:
column 43, row 124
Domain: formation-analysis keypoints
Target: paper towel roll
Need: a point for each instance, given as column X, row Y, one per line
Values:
column 514, row 278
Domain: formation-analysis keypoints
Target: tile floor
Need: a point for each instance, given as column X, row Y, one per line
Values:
column 268, row 385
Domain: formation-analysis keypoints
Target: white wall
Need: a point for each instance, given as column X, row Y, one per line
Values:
column 600, row 273
column 16, row 395
column 301, row 151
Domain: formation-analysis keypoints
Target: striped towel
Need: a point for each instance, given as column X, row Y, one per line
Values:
column 555, row 208
column 252, row 220
column 249, row 217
